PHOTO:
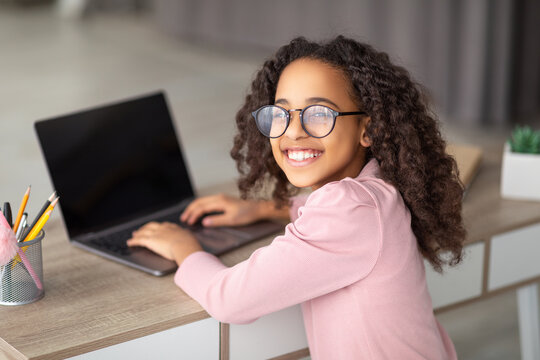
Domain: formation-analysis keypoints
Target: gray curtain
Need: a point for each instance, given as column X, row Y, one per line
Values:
column 480, row 59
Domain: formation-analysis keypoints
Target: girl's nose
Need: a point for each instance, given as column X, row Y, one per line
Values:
column 295, row 130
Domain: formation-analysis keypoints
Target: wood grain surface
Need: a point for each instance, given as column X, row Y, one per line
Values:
column 91, row 302
column 484, row 211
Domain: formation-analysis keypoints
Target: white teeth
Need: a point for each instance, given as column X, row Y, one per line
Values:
column 301, row 155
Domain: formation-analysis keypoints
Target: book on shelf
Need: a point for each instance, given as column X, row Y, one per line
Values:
column 468, row 158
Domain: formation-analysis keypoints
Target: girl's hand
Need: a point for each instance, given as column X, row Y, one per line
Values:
column 166, row 239
column 234, row 211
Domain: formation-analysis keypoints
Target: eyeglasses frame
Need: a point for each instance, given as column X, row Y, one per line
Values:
column 332, row 111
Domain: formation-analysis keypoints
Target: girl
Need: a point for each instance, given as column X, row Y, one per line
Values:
column 341, row 119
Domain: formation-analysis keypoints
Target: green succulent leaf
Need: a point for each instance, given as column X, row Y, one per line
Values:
column 525, row 140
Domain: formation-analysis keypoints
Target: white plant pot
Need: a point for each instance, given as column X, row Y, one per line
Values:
column 520, row 177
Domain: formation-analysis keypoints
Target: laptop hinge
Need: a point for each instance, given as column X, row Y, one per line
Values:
column 130, row 224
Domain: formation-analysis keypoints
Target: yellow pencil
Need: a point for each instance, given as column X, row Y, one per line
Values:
column 41, row 211
column 42, row 220
column 21, row 210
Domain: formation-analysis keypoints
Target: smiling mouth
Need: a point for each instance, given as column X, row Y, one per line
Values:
column 302, row 155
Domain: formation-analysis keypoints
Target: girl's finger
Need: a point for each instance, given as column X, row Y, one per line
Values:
column 203, row 200
column 169, row 225
column 217, row 220
column 202, row 205
column 137, row 241
column 143, row 233
column 204, row 209
column 193, row 206
column 150, row 225
column 189, row 209
column 201, row 212
column 150, row 245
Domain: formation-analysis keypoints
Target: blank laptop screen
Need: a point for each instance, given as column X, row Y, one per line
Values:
column 113, row 164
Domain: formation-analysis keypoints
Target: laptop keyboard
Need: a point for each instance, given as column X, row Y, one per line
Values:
column 117, row 242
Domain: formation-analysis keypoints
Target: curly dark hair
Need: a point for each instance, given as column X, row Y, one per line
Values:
column 404, row 134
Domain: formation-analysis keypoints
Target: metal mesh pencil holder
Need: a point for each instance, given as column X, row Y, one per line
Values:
column 21, row 279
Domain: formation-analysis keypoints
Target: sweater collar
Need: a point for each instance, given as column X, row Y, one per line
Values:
column 370, row 170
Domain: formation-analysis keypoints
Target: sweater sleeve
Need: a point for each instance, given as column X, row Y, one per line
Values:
column 334, row 242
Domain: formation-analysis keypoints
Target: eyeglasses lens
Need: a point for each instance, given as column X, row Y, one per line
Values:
column 318, row 120
column 272, row 121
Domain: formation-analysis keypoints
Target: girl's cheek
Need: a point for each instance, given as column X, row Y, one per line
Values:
column 275, row 151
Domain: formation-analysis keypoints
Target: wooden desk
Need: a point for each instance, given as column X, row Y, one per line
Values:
column 487, row 215
column 91, row 303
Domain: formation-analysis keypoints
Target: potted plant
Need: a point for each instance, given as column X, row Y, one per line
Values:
column 520, row 178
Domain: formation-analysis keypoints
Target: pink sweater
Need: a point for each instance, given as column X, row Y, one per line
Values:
column 350, row 258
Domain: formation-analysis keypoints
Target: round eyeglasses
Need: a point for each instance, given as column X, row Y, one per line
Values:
column 317, row 120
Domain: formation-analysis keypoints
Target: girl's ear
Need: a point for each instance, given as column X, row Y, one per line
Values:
column 365, row 141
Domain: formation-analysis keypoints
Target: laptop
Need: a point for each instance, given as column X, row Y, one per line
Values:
column 119, row 166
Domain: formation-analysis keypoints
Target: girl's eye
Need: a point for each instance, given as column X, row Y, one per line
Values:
column 280, row 115
column 277, row 113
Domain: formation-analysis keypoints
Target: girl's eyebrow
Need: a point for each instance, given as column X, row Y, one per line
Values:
column 311, row 100
column 321, row 99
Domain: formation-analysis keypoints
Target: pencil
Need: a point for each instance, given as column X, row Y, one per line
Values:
column 21, row 210
column 40, row 213
column 42, row 220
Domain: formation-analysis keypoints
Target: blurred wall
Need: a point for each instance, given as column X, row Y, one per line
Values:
column 480, row 59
